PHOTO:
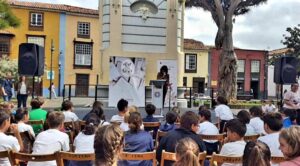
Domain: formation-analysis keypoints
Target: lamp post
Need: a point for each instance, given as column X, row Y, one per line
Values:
column 52, row 50
column 59, row 75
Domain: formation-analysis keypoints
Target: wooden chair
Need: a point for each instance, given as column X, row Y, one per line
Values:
column 6, row 154
column 219, row 159
column 151, row 124
column 172, row 157
column 251, row 137
column 17, row 157
column 158, row 137
column 74, row 157
column 219, row 137
column 35, row 122
column 277, row 159
column 139, row 156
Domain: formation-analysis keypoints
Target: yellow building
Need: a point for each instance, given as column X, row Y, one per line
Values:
column 196, row 68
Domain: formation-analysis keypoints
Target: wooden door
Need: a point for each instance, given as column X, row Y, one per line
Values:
column 82, row 85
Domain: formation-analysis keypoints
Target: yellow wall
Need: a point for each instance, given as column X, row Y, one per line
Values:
column 51, row 31
column 71, row 34
column 202, row 66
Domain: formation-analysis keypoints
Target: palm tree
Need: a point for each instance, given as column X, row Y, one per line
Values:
column 223, row 13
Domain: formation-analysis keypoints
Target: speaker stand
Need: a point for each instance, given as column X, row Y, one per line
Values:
column 32, row 93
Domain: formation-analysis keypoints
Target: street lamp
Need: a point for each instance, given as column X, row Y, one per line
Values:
column 52, row 50
column 59, row 74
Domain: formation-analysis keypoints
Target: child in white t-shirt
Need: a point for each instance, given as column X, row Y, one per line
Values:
column 244, row 116
column 123, row 108
column 22, row 116
column 223, row 113
column 235, row 140
column 51, row 140
column 270, row 107
column 256, row 121
column 208, row 128
column 8, row 142
column 67, row 108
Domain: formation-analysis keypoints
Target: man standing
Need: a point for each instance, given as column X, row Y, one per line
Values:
column 292, row 103
column 6, row 87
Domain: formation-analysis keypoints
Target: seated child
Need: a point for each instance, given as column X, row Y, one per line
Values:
column 171, row 118
column 123, row 108
column 187, row 152
column 223, row 113
column 256, row 154
column 67, row 108
column 8, row 142
column 51, row 140
column 37, row 113
column 150, row 109
column 22, row 116
column 256, row 121
column 124, row 125
column 208, row 128
column 286, row 120
column 244, row 117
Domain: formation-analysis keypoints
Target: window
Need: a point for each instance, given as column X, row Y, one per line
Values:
column 39, row 40
column 255, row 64
column 184, row 81
column 190, row 63
column 83, row 54
column 241, row 66
column 36, row 21
column 4, row 48
column 83, row 29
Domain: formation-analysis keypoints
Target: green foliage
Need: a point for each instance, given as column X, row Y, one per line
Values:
column 6, row 66
column 7, row 18
column 293, row 40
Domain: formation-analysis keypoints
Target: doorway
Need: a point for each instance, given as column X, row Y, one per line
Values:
column 198, row 84
column 82, row 85
column 254, row 89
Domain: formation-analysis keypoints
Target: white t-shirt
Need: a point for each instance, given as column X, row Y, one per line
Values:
column 125, row 126
column 70, row 116
column 207, row 128
column 23, row 89
column 22, row 127
column 258, row 125
column 233, row 149
column 84, row 143
column 292, row 97
column 223, row 112
column 250, row 130
column 8, row 142
column 48, row 142
column 270, row 108
column 272, row 140
column 117, row 118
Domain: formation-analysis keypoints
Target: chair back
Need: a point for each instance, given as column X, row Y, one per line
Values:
column 218, row 137
column 202, row 157
column 38, row 125
column 277, row 159
column 74, row 157
column 139, row 156
column 158, row 137
column 35, row 122
column 6, row 154
column 219, row 159
column 151, row 124
column 16, row 157
column 167, row 156
column 251, row 137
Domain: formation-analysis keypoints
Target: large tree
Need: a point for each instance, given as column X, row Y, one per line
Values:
column 223, row 12
column 7, row 18
column 292, row 40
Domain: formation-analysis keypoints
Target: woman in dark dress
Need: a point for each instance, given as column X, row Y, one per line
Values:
column 163, row 75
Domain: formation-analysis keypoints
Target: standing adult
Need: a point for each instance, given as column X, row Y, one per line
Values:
column 22, row 92
column 6, row 87
column 291, row 102
column 52, row 88
column 163, row 75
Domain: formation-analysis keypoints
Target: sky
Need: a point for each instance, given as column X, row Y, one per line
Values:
column 262, row 28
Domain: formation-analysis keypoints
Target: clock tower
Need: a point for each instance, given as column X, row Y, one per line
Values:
column 150, row 29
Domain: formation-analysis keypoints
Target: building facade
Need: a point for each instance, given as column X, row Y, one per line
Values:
column 251, row 75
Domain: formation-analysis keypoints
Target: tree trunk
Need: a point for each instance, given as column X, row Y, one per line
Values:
column 227, row 80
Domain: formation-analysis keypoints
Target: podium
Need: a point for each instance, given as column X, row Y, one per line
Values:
column 157, row 93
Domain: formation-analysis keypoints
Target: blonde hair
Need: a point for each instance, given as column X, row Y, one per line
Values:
column 108, row 143
column 131, row 109
column 187, row 151
column 292, row 137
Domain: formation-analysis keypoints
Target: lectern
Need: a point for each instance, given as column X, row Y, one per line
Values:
column 157, row 93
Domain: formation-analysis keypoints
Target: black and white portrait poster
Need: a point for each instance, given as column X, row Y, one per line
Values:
column 171, row 95
column 127, row 81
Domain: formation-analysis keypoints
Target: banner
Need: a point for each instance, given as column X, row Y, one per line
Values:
column 127, row 81
column 171, row 96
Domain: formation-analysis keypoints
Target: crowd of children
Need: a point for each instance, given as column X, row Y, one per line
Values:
column 125, row 132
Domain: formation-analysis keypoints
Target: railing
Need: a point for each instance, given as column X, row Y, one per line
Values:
column 185, row 95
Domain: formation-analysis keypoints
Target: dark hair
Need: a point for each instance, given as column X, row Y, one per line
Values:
column 188, row 119
column 202, row 107
column 273, row 120
column 236, row 126
column 66, row 105
column 122, row 104
column 55, row 119
column 134, row 121
column 244, row 116
column 256, row 111
column 205, row 113
column 3, row 117
column 35, row 103
column 98, row 110
column 256, row 153
column 171, row 117
column 292, row 114
column 91, row 124
column 20, row 114
column 150, row 109
column 222, row 100
column 164, row 68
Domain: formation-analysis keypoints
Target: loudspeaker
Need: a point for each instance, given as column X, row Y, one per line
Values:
column 285, row 70
column 31, row 59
